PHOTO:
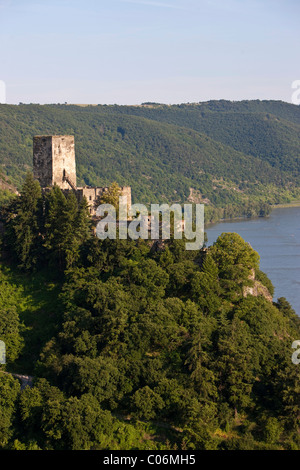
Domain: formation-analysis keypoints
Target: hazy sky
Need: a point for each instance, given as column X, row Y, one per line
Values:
column 131, row 51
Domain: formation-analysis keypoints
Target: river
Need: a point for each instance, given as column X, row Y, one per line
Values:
column 277, row 240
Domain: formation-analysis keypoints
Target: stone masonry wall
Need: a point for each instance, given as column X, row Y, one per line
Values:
column 63, row 151
column 54, row 158
column 42, row 160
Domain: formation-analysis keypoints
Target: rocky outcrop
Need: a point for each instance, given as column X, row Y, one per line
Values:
column 4, row 185
column 257, row 289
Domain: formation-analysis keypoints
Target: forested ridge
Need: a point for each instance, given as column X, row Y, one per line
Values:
column 135, row 345
column 237, row 158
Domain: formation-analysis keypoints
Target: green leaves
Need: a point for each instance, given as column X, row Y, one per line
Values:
column 66, row 227
column 237, row 157
column 11, row 328
column 236, row 261
column 51, row 226
column 9, row 391
column 146, row 403
column 157, row 334
column 23, row 224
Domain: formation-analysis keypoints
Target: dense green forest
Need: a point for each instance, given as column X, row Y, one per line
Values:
column 237, row 158
column 138, row 345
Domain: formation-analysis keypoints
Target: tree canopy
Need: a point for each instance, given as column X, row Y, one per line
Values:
column 138, row 345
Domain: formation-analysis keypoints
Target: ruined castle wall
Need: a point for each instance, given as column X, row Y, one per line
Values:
column 52, row 155
column 54, row 158
column 63, row 151
column 126, row 191
column 42, row 160
column 93, row 196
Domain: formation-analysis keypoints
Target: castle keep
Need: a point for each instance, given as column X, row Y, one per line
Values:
column 54, row 163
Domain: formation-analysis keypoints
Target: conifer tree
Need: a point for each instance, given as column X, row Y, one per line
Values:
column 61, row 213
column 55, row 209
column 83, row 222
column 67, row 226
column 23, row 234
column 206, row 288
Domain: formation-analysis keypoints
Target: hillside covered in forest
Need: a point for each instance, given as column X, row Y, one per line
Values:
column 236, row 157
column 135, row 344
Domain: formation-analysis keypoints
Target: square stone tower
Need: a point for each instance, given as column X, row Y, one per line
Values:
column 54, row 161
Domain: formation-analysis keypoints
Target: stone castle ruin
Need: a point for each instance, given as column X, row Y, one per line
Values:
column 54, row 163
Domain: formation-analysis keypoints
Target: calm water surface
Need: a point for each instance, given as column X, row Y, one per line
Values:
column 277, row 240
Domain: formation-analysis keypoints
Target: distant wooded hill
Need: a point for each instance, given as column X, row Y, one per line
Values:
column 236, row 157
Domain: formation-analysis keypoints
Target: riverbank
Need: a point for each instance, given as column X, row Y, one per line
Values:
column 287, row 204
column 235, row 219
column 276, row 239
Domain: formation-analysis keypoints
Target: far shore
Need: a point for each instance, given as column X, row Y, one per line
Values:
column 241, row 219
column 287, row 204
column 232, row 219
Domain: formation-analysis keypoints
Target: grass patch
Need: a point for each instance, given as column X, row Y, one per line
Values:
column 40, row 312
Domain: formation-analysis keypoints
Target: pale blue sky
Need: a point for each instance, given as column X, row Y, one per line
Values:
column 131, row 51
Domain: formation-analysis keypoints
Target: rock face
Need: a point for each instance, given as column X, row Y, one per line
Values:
column 257, row 288
column 4, row 185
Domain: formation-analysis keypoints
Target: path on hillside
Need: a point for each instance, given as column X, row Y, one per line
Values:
column 26, row 380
